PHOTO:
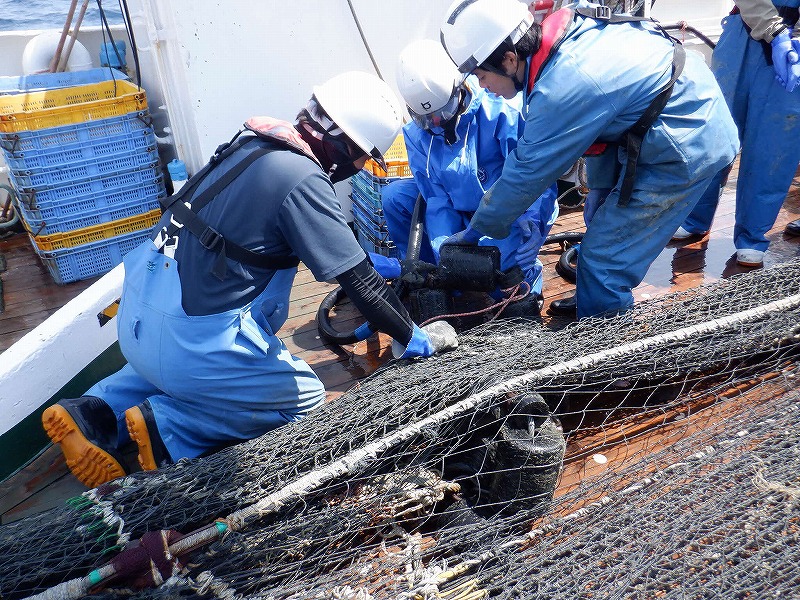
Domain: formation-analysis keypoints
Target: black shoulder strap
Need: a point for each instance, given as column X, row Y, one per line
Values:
column 635, row 135
column 209, row 237
column 222, row 152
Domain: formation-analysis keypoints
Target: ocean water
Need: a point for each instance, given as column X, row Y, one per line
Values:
column 51, row 14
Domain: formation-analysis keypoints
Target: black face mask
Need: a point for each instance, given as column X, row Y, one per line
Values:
column 342, row 172
column 334, row 154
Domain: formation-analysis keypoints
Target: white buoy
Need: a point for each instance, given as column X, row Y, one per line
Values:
column 39, row 53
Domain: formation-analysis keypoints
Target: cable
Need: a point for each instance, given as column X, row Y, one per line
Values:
column 126, row 15
column 106, row 29
column 683, row 26
column 364, row 39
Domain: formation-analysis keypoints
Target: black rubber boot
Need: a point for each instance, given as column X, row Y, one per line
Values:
column 144, row 431
column 566, row 307
column 86, row 429
column 793, row 228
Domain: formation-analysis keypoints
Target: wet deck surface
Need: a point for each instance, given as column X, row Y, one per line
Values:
column 31, row 296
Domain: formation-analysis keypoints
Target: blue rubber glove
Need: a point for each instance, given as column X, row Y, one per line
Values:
column 530, row 244
column 784, row 55
column 436, row 245
column 467, row 237
column 362, row 332
column 426, row 341
column 794, row 69
column 388, row 268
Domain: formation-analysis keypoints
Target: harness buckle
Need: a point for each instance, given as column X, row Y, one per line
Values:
column 602, row 13
column 210, row 238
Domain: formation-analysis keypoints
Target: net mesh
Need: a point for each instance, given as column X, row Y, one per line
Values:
column 651, row 454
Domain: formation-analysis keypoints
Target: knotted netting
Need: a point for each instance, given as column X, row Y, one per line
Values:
column 669, row 431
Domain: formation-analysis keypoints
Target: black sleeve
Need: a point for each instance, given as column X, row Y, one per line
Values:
column 377, row 301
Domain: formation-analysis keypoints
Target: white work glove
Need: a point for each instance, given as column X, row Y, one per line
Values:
column 428, row 340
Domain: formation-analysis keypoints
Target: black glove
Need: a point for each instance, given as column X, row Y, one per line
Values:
column 414, row 273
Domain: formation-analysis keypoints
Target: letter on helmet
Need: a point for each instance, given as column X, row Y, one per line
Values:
column 426, row 77
column 364, row 107
column 473, row 29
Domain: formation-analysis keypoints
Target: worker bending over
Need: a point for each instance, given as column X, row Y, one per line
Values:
column 202, row 304
column 590, row 76
column 457, row 142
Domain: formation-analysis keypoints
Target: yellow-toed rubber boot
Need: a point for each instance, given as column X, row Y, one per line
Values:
column 143, row 430
column 86, row 430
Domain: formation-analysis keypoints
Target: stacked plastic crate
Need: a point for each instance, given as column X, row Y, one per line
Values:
column 367, row 189
column 84, row 163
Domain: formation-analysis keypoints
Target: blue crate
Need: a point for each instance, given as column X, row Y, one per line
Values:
column 75, row 172
column 89, row 260
column 114, row 212
column 47, row 195
column 379, row 245
column 89, row 132
column 81, row 204
column 368, row 218
column 369, row 180
column 136, row 141
column 368, row 194
column 18, row 84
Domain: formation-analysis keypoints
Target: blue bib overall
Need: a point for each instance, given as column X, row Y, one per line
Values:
column 768, row 118
column 211, row 379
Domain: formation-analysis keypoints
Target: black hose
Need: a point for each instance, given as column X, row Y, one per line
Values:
column 682, row 26
column 415, row 234
column 564, row 266
column 568, row 237
column 326, row 330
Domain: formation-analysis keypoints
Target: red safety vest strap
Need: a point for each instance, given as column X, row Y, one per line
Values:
column 554, row 28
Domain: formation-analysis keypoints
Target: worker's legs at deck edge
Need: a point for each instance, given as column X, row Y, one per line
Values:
column 768, row 118
column 622, row 242
column 196, row 425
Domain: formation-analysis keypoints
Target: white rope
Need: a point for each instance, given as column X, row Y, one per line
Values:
column 357, row 460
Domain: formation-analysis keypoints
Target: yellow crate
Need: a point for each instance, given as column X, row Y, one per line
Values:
column 96, row 233
column 396, row 161
column 66, row 106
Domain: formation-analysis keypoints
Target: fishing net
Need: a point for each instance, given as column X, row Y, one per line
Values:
column 652, row 454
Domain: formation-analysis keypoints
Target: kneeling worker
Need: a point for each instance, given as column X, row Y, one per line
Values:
column 457, row 142
column 203, row 302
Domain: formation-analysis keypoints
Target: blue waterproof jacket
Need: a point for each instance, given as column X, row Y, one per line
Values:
column 592, row 80
column 453, row 179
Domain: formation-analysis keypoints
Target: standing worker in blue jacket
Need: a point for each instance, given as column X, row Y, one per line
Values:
column 588, row 77
column 457, row 143
column 757, row 66
column 202, row 304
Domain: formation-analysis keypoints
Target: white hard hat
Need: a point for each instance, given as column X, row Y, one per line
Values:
column 426, row 77
column 364, row 107
column 473, row 29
